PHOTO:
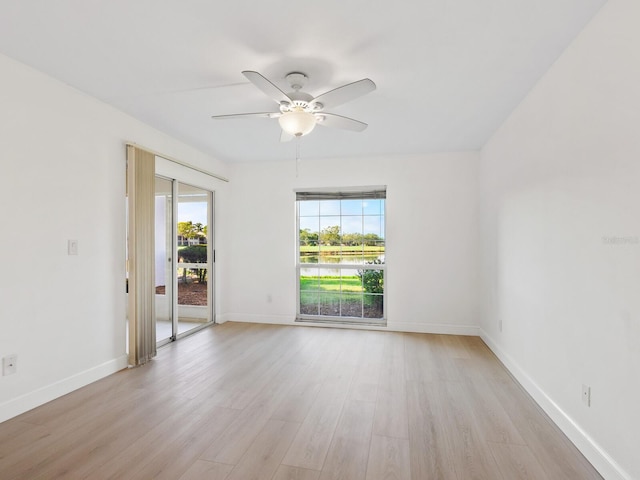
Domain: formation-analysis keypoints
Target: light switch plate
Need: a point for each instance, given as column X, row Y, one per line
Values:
column 9, row 365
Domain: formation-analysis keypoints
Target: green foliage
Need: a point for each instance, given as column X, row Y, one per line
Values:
column 330, row 235
column 308, row 238
column 191, row 230
column 371, row 239
column 194, row 254
column 372, row 280
column 352, row 239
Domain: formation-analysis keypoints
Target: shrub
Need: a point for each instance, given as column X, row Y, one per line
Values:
column 372, row 280
column 194, row 254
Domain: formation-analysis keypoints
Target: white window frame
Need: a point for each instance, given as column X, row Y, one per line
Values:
column 355, row 193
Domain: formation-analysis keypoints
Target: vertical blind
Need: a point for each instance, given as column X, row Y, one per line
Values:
column 140, row 261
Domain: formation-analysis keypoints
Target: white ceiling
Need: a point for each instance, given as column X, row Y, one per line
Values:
column 448, row 72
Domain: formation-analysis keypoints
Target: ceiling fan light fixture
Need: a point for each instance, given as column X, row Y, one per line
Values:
column 299, row 112
column 297, row 122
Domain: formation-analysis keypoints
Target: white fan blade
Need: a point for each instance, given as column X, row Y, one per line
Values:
column 285, row 137
column 245, row 115
column 337, row 121
column 266, row 86
column 344, row 94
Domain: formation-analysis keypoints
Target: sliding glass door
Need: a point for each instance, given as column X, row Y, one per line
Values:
column 164, row 283
column 184, row 254
column 193, row 258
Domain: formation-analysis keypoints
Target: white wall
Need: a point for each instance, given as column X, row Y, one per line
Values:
column 559, row 237
column 432, row 247
column 62, row 161
column 560, row 233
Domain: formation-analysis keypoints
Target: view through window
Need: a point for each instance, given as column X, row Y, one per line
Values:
column 341, row 256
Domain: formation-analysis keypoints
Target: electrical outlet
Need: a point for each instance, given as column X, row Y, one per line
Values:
column 10, row 365
column 500, row 325
column 586, row 395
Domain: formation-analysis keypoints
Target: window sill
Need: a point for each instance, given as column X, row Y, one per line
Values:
column 377, row 322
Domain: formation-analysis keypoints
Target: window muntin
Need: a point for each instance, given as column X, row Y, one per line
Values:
column 341, row 256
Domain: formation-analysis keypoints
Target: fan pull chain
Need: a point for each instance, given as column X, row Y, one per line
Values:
column 297, row 155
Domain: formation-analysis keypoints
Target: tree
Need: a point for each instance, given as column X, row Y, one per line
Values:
column 308, row 238
column 371, row 239
column 330, row 235
column 351, row 239
column 187, row 229
column 192, row 230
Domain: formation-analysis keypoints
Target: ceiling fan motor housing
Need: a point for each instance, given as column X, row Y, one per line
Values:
column 298, row 99
column 297, row 80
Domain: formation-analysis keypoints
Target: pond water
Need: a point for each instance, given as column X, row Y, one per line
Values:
column 337, row 260
column 353, row 259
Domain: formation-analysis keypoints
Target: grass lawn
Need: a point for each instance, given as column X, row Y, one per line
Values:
column 331, row 284
column 322, row 296
column 338, row 296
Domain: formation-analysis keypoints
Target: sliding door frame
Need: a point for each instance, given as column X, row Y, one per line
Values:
column 173, row 265
column 141, row 315
column 211, row 276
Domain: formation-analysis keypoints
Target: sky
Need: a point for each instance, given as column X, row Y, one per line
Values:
column 194, row 211
column 353, row 216
column 358, row 216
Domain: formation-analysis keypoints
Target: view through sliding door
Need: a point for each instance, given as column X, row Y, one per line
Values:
column 184, row 254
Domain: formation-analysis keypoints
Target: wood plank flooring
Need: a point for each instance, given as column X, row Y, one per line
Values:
column 265, row 402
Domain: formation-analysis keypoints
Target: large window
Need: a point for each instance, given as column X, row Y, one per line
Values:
column 341, row 255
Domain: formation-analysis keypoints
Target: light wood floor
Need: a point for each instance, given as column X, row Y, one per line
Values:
column 246, row 401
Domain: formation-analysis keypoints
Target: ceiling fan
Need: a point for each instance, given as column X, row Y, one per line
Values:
column 299, row 112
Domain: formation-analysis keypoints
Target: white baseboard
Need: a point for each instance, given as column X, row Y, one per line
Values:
column 442, row 329
column 599, row 458
column 410, row 327
column 28, row 401
column 257, row 318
